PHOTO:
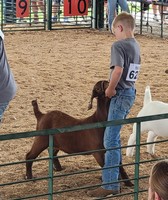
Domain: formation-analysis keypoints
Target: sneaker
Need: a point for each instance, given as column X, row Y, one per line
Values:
column 66, row 20
column 21, row 21
column 155, row 18
column 144, row 19
column 54, row 19
column 101, row 192
column 35, row 21
column 164, row 22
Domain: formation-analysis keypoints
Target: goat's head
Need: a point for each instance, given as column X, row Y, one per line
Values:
column 98, row 91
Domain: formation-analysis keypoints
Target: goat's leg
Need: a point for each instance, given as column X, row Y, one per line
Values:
column 131, row 141
column 39, row 145
column 151, row 138
column 99, row 156
column 124, row 176
column 57, row 165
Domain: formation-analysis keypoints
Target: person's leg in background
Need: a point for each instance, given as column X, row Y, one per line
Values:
column 111, row 12
column 55, row 10
column 112, row 5
column 145, row 10
column 162, row 11
column 41, row 6
column 35, row 11
column 124, row 5
column 155, row 9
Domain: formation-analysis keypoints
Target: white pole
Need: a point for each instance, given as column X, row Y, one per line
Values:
column 94, row 14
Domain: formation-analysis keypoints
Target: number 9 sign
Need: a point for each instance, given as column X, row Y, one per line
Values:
column 75, row 7
column 22, row 8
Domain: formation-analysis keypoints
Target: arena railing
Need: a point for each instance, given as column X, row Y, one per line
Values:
column 51, row 177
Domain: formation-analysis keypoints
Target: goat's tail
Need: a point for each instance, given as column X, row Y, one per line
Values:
column 147, row 96
column 37, row 112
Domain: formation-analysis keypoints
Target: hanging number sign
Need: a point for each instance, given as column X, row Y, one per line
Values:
column 75, row 7
column 22, row 8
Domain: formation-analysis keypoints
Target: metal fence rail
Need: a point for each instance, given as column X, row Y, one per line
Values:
column 50, row 178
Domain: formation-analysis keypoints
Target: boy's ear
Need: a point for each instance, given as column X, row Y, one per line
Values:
column 157, row 197
column 121, row 28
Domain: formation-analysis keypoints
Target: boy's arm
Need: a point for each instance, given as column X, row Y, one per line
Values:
column 115, row 77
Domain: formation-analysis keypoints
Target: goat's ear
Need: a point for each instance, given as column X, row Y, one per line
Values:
column 90, row 105
column 105, row 85
column 91, row 102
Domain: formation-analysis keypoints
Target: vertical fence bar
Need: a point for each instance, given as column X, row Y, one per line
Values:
column 94, row 10
column 2, row 14
column 161, row 19
column 141, row 20
column 50, row 181
column 49, row 13
column 137, row 159
column 101, row 14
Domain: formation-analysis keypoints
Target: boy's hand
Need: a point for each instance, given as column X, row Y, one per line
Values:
column 110, row 92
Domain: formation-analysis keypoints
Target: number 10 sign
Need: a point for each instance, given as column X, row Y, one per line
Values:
column 75, row 7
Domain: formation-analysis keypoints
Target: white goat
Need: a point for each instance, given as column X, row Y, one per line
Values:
column 156, row 128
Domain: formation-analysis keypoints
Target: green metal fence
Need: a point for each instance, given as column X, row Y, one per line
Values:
column 50, row 16
column 54, row 179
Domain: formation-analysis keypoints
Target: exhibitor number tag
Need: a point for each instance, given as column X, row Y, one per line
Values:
column 132, row 74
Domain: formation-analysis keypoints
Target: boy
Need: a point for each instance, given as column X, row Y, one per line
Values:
column 158, row 181
column 7, row 82
column 125, row 65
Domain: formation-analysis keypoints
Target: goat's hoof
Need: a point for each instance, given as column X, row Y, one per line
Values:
column 154, row 156
column 129, row 184
column 29, row 178
column 166, row 71
column 58, row 169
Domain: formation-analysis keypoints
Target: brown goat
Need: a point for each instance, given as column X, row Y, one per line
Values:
column 73, row 142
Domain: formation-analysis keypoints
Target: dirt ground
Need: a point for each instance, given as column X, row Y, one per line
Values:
column 59, row 68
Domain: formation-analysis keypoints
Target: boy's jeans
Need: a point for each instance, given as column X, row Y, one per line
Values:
column 120, row 106
column 112, row 4
column 3, row 107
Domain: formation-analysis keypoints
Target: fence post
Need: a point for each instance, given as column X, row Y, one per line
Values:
column 50, row 181
column 49, row 13
column 100, row 13
column 137, row 160
column 94, row 20
column 141, row 20
column 2, row 15
column 161, row 19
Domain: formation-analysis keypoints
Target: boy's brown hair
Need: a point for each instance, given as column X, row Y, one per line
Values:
column 159, row 179
column 126, row 19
